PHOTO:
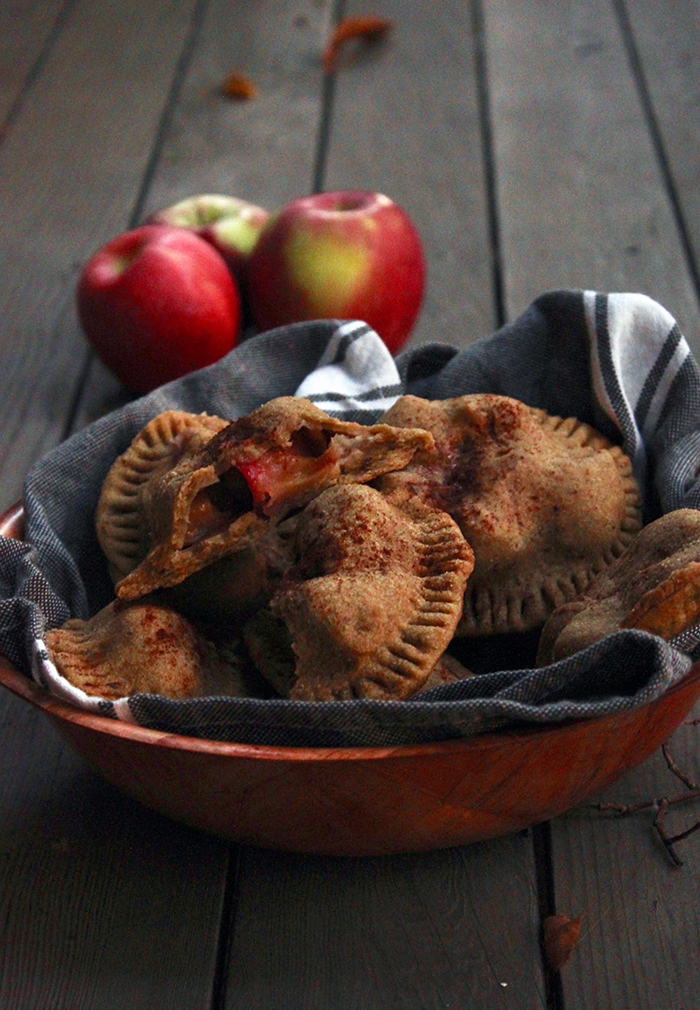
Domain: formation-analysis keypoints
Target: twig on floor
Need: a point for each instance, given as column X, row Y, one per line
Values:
column 661, row 805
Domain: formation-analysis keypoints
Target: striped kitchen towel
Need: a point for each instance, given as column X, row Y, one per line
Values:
column 615, row 361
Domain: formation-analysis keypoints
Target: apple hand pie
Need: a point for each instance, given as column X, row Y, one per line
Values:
column 121, row 527
column 654, row 586
column 221, row 497
column 372, row 601
column 143, row 648
column 545, row 502
column 269, row 646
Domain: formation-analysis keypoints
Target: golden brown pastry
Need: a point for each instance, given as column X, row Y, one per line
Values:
column 221, row 497
column 270, row 647
column 545, row 502
column 654, row 586
column 374, row 597
column 122, row 529
column 144, row 648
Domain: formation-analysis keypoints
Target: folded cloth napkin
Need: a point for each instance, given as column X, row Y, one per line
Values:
column 617, row 362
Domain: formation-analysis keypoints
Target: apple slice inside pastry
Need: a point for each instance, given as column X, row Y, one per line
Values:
column 654, row 586
column 374, row 597
column 545, row 502
column 221, row 497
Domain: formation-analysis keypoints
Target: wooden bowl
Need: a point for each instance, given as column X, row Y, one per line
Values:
column 362, row 800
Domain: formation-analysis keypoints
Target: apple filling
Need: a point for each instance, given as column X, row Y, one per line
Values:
column 214, row 508
column 268, row 485
column 279, row 479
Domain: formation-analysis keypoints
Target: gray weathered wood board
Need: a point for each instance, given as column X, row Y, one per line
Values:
column 641, row 925
column 88, row 879
column 457, row 928
column 102, row 903
column 30, row 29
column 581, row 196
column 664, row 40
column 406, row 122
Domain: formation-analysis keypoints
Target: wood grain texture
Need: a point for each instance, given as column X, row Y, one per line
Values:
column 261, row 150
column 641, row 918
column 88, row 879
column 71, row 168
column 406, row 122
column 101, row 902
column 367, row 800
column 581, row 196
column 442, row 930
column 666, row 42
column 26, row 34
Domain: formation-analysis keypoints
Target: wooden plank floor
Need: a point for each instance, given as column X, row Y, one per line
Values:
column 537, row 145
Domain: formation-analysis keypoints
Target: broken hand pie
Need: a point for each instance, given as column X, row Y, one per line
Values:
column 221, row 497
column 122, row 528
column 654, row 586
column 373, row 599
column 545, row 502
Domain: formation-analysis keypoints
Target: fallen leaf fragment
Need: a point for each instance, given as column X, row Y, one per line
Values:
column 238, row 87
column 366, row 29
column 561, row 934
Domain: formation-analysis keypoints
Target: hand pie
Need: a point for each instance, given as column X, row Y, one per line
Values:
column 121, row 526
column 654, row 586
column 238, row 584
column 545, row 502
column 141, row 649
column 374, row 597
column 269, row 645
column 221, row 497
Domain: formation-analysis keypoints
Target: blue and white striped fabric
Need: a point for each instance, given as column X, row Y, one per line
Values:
column 615, row 361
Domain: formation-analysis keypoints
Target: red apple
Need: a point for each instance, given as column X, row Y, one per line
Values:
column 231, row 225
column 157, row 303
column 343, row 255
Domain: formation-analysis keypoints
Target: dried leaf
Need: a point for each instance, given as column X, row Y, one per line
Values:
column 561, row 934
column 238, row 87
column 366, row 29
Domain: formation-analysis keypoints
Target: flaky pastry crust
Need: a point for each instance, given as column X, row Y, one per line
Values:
column 374, row 597
column 654, row 586
column 221, row 497
column 144, row 648
column 121, row 525
column 545, row 502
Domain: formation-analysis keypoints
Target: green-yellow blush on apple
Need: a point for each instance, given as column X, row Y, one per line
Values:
column 349, row 254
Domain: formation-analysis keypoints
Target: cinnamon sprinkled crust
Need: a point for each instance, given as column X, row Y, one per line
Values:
column 374, row 597
column 141, row 649
column 545, row 502
column 654, row 586
column 220, row 497
column 483, row 516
